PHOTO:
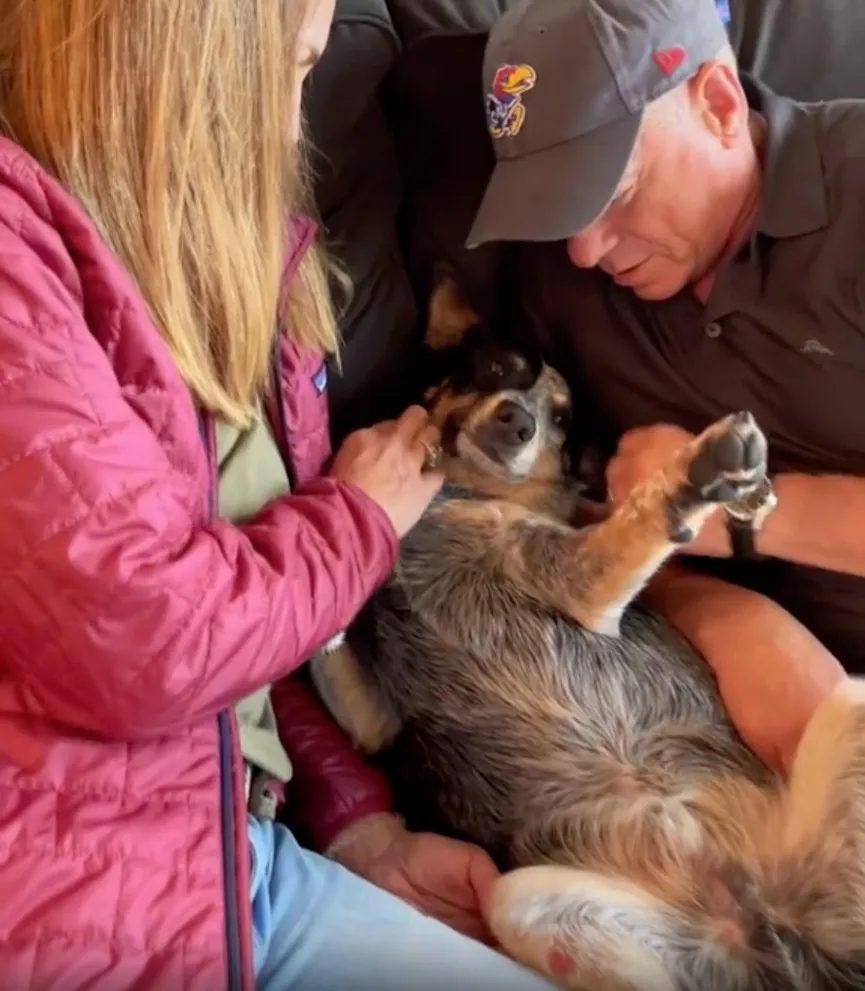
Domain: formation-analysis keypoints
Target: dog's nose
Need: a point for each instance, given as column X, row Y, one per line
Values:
column 514, row 423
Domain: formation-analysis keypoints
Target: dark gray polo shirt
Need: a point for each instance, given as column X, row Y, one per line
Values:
column 806, row 49
column 782, row 334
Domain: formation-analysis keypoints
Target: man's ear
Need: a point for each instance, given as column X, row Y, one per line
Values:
column 720, row 101
column 449, row 316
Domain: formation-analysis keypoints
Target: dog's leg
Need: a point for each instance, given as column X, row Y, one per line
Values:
column 585, row 930
column 593, row 575
column 817, row 853
column 354, row 702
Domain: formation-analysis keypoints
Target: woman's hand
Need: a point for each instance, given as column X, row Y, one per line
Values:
column 389, row 462
column 443, row 878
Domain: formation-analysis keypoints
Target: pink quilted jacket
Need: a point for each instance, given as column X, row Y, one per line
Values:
column 131, row 620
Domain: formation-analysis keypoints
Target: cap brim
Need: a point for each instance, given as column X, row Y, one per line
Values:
column 554, row 194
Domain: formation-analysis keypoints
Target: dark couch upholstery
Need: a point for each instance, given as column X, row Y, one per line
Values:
column 395, row 112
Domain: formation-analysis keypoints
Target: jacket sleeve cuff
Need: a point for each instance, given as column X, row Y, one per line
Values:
column 375, row 514
column 332, row 786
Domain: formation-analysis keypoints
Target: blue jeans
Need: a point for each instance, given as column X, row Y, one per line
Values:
column 318, row 927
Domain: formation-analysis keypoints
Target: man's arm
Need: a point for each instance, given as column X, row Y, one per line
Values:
column 820, row 521
column 771, row 672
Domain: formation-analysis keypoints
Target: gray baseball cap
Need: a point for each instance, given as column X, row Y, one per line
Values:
column 566, row 84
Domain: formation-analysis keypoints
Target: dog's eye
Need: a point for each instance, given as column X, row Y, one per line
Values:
column 561, row 417
column 497, row 369
column 490, row 372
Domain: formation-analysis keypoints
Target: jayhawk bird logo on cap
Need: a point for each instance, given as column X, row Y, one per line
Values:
column 506, row 111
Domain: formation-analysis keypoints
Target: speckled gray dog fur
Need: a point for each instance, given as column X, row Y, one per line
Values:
column 581, row 741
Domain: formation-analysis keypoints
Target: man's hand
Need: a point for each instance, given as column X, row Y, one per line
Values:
column 642, row 452
column 443, row 878
column 819, row 521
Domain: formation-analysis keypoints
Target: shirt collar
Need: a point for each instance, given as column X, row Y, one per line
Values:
column 793, row 194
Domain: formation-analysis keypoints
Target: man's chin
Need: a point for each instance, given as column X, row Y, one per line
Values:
column 657, row 292
column 660, row 287
column 648, row 283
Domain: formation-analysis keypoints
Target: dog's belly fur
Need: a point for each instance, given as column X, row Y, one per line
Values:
column 651, row 850
column 543, row 741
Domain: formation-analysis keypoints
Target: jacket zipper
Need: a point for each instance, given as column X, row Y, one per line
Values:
column 227, row 810
column 229, row 848
column 229, row 854
column 280, row 426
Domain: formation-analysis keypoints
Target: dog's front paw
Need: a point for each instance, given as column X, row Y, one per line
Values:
column 728, row 460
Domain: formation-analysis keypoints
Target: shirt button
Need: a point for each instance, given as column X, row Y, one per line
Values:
column 713, row 329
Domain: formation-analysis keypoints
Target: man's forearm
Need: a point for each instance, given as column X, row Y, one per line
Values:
column 772, row 673
column 820, row 522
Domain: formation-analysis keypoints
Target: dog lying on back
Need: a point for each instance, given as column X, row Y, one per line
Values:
column 571, row 733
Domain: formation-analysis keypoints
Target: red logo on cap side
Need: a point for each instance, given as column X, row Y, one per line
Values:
column 669, row 59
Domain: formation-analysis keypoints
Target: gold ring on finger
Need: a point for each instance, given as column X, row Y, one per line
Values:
column 433, row 455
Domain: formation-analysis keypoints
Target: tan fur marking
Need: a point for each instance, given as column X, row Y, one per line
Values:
column 593, row 575
column 449, row 317
column 588, row 575
column 620, row 554
column 354, row 703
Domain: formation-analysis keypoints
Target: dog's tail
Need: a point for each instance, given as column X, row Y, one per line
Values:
column 802, row 909
column 814, row 864
column 766, row 936
column 759, row 945
column 581, row 928
column 789, row 916
column 792, row 916
column 798, row 908
column 772, row 949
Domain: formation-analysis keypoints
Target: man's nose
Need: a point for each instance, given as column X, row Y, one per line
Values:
column 588, row 248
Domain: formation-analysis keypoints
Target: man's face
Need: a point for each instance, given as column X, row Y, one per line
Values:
column 678, row 201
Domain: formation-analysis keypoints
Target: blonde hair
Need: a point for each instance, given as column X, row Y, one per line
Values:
column 169, row 121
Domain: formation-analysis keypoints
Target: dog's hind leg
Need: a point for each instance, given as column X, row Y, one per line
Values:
column 586, row 930
column 593, row 575
column 353, row 700
column 816, row 854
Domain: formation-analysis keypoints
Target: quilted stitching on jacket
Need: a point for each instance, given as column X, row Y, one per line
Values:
column 128, row 620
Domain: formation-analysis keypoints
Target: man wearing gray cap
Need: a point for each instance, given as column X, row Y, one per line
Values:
column 569, row 84
column 694, row 244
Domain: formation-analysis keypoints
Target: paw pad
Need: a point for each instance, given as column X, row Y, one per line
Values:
column 728, row 460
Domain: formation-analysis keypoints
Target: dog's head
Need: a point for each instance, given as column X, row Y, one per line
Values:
column 504, row 414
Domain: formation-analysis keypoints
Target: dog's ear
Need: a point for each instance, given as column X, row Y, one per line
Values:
column 449, row 316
